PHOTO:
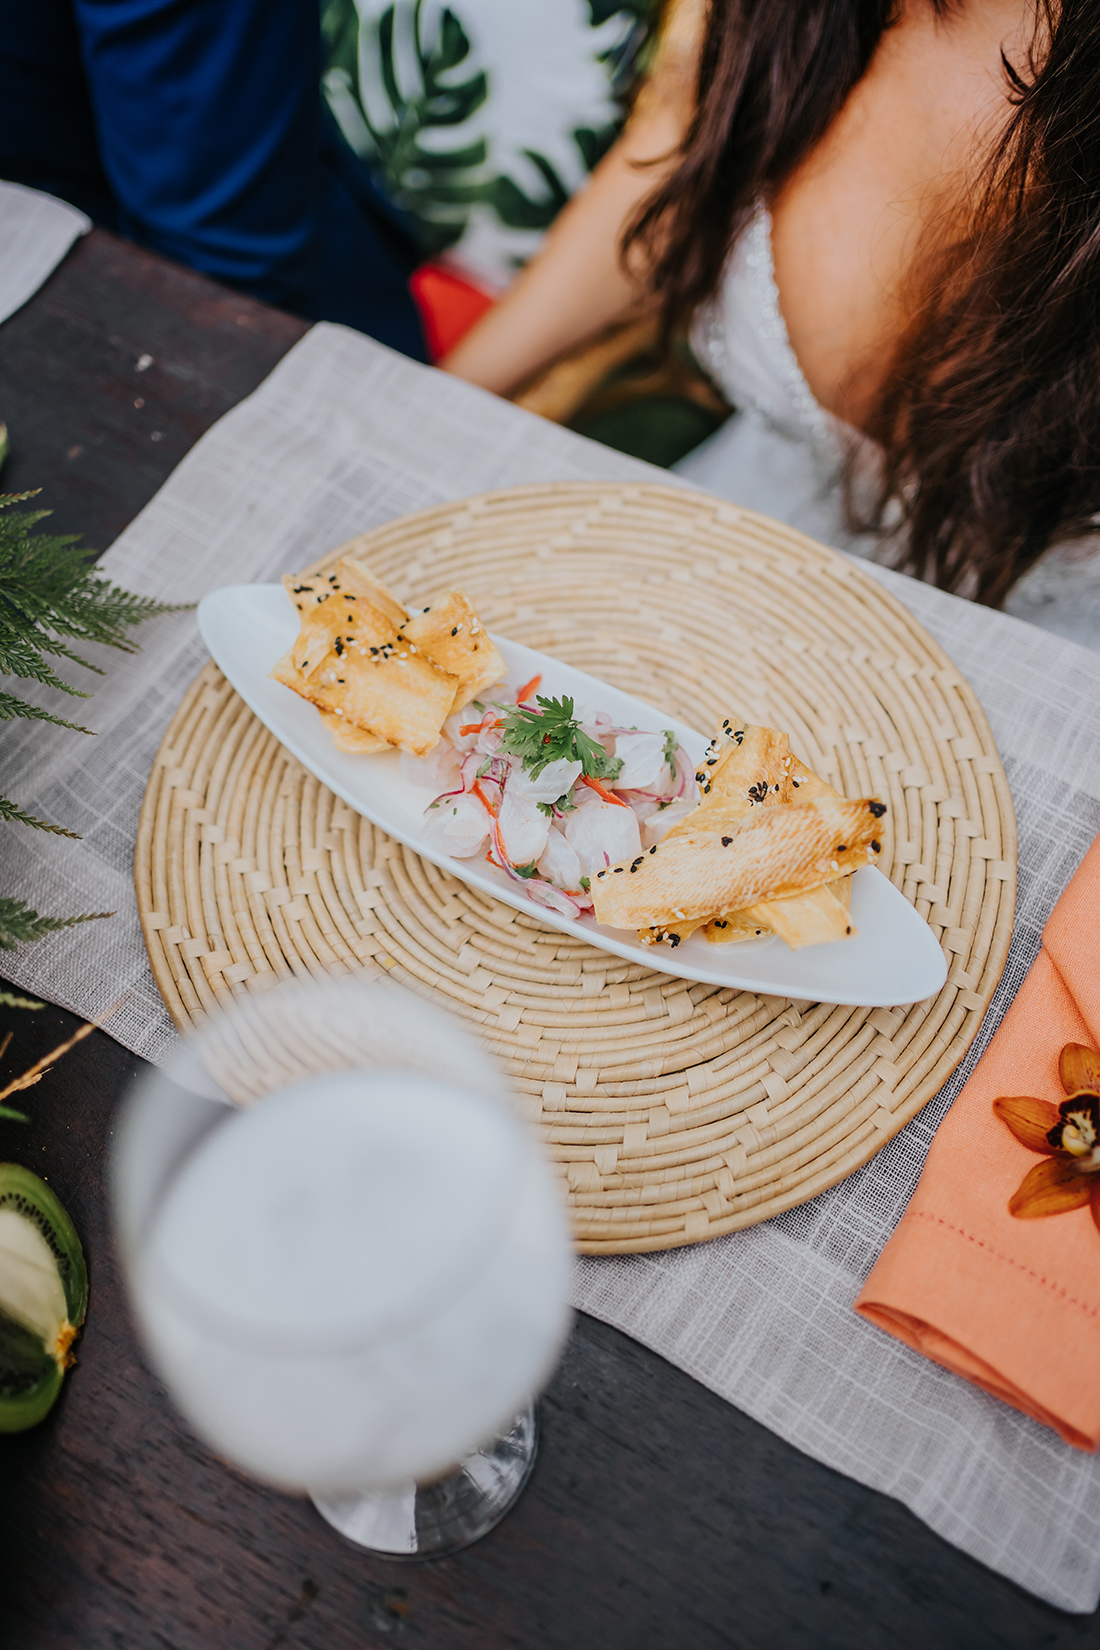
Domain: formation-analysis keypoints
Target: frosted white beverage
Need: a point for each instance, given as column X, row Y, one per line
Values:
column 356, row 1280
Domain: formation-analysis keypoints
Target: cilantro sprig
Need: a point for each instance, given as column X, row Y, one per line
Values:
column 671, row 746
column 552, row 734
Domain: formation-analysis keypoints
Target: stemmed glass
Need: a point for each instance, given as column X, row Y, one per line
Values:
column 348, row 1258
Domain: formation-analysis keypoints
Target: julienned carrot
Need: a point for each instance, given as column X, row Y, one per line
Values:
column 494, row 829
column 529, row 688
column 600, row 790
column 482, row 798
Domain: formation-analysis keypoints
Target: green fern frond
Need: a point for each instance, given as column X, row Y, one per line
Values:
column 9, row 811
column 19, row 924
column 8, row 999
column 48, row 591
column 11, row 709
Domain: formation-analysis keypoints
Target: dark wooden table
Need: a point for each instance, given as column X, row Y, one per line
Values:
column 658, row 1516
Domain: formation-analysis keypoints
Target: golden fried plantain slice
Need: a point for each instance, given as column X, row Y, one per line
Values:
column 771, row 853
column 333, row 621
column 670, row 933
column 347, row 737
column 812, row 918
column 449, row 631
column 734, row 925
column 745, row 764
column 356, row 579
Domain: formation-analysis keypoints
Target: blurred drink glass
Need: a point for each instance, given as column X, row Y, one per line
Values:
column 347, row 1258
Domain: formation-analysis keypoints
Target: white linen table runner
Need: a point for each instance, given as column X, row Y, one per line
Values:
column 36, row 231
column 345, row 435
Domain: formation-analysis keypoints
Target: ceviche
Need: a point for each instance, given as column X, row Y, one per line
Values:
column 551, row 792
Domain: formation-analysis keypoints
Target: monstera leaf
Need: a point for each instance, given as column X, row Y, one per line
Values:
column 421, row 84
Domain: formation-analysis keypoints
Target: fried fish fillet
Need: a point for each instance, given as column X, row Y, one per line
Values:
column 768, row 855
column 449, row 631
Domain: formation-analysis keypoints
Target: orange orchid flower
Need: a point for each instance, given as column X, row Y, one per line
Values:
column 1068, row 1136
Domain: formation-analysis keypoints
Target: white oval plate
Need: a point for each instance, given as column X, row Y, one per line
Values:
column 894, row 958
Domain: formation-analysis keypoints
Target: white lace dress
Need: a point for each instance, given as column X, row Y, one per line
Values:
column 783, row 453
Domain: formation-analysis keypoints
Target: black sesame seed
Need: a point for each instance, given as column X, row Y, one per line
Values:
column 876, row 847
column 653, row 850
column 726, row 840
column 618, row 868
column 842, row 847
column 674, row 940
column 848, row 930
column 877, row 808
column 454, row 632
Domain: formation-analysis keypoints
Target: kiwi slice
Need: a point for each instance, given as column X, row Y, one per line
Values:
column 43, row 1296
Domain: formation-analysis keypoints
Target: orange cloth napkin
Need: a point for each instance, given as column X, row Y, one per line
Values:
column 1012, row 1305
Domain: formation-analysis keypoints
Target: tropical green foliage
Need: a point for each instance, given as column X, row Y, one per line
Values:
column 51, row 597
column 439, row 185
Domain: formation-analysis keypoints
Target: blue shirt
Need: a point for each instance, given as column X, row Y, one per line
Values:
column 197, row 128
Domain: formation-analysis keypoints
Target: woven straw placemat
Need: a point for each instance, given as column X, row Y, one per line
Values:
column 677, row 1111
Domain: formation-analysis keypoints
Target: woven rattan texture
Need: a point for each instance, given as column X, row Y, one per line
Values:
column 676, row 1111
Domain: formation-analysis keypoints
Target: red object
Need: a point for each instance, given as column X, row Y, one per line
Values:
column 480, row 794
column 528, row 688
column 601, row 790
column 448, row 305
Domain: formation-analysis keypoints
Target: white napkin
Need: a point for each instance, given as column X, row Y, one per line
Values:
column 36, row 231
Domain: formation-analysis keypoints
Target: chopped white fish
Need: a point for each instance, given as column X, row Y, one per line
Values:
column 523, row 828
column 558, row 862
column 657, row 824
column 439, row 769
column 643, row 758
column 459, row 826
column 464, row 718
column 556, row 779
column 602, row 835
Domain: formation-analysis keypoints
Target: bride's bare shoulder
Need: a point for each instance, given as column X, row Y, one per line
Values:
column 891, row 176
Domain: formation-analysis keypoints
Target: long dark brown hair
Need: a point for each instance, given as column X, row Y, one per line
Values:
column 989, row 417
